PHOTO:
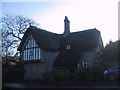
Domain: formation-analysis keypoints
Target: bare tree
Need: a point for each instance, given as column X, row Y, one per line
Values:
column 13, row 28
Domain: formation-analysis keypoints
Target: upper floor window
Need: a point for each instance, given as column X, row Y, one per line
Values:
column 31, row 42
column 98, row 49
column 68, row 46
column 31, row 50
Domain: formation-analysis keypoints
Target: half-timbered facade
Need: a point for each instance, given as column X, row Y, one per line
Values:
column 31, row 51
column 42, row 51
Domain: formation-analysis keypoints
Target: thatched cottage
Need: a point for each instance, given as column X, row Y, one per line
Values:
column 42, row 51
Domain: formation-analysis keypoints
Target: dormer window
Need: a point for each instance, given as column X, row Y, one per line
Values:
column 68, row 46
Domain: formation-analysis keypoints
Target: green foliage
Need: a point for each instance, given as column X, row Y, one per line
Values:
column 65, row 76
column 10, row 61
column 56, row 76
column 88, row 74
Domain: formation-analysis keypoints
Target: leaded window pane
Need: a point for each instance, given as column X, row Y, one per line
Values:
column 31, row 51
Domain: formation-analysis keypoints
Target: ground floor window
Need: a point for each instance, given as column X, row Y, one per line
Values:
column 34, row 68
column 86, row 63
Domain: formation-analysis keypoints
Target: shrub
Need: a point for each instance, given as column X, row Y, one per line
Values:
column 56, row 75
column 88, row 74
column 65, row 76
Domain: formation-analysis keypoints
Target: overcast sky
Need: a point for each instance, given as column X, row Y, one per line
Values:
column 83, row 15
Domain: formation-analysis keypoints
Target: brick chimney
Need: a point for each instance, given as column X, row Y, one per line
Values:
column 66, row 26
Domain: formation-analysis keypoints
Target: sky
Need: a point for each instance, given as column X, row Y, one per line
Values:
column 82, row 14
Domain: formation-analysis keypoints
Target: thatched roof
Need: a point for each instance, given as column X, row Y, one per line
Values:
column 79, row 42
column 84, row 39
column 45, row 40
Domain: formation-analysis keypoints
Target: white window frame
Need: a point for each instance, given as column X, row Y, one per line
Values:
column 31, row 45
column 86, row 63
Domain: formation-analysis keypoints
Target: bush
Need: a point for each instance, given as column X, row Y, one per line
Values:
column 12, row 73
column 64, row 76
column 56, row 76
column 88, row 74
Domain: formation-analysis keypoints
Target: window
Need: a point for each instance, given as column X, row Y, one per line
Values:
column 34, row 68
column 31, row 50
column 98, row 49
column 68, row 46
column 31, row 53
column 86, row 63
